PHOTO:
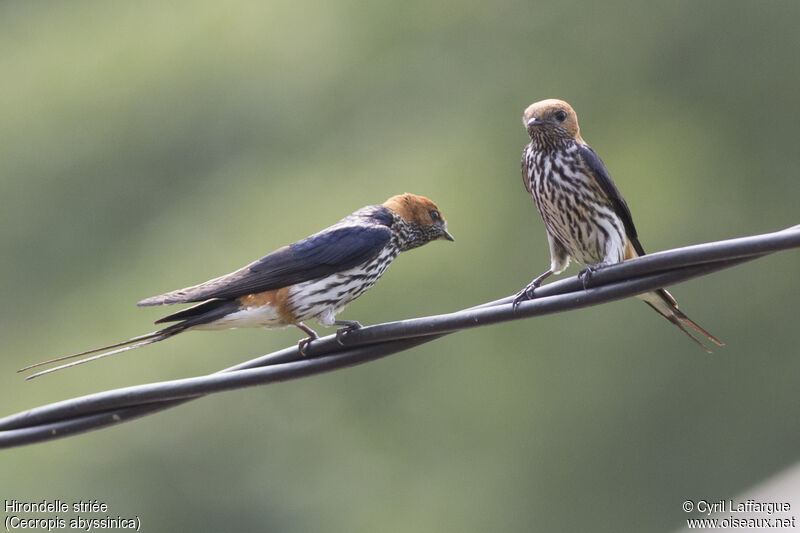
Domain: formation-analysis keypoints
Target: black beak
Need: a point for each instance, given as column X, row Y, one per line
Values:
column 446, row 235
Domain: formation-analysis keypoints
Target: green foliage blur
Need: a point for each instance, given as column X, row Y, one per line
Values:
column 145, row 146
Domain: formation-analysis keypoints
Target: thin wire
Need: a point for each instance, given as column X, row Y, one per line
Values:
column 94, row 411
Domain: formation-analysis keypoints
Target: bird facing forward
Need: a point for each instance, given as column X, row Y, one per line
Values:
column 585, row 216
column 312, row 278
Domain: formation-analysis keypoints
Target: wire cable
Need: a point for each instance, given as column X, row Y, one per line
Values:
column 614, row 282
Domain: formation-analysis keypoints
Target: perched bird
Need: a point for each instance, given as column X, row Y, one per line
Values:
column 312, row 278
column 585, row 216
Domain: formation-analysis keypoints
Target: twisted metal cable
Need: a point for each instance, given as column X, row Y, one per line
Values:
column 614, row 282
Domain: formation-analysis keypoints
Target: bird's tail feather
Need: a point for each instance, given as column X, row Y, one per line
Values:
column 194, row 316
column 665, row 305
column 130, row 344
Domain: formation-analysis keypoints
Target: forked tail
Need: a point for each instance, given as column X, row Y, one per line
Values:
column 202, row 313
column 666, row 306
column 130, row 344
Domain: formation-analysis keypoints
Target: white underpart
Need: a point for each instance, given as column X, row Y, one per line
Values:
column 265, row 316
column 615, row 247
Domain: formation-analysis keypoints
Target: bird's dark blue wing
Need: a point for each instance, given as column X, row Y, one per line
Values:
column 600, row 174
column 317, row 256
column 321, row 255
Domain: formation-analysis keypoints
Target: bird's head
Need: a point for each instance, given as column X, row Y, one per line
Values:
column 551, row 120
column 423, row 220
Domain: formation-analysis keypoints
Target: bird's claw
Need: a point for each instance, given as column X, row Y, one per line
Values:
column 341, row 332
column 530, row 288
column 524, row 295
column 585, row 275
column 301, row 346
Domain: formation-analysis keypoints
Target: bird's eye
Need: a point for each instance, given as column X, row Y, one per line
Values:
column 435, row 214
column 561, row 115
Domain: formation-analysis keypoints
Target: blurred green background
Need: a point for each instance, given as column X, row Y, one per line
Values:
column 147, row 146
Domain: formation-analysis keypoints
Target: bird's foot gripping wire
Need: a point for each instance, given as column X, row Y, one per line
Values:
column 524, row 295
column 527, row 292
column 349, row 325
column 312, row 336
column 585, row 275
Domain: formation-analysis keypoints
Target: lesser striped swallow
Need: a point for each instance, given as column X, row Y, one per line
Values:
column 312, row 278
column 585, row 215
